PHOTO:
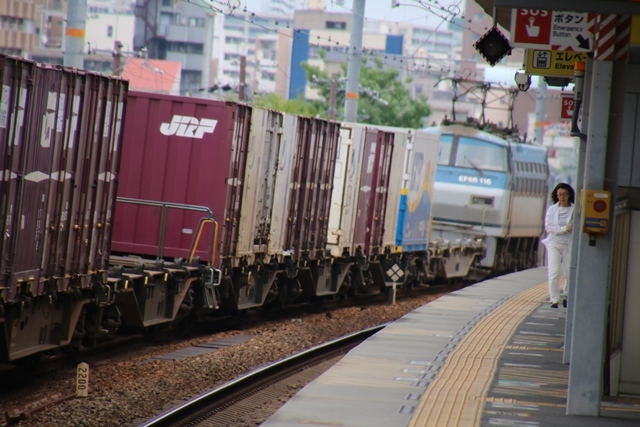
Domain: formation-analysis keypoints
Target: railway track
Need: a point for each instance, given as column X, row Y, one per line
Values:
column 116, row 378
column 238, row 400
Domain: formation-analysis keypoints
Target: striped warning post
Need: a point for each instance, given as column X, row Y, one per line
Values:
column 605, row 37
column 623, row 38
column 592, row 23
column 611, row 37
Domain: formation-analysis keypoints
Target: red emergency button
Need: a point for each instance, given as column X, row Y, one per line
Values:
column 599, row 206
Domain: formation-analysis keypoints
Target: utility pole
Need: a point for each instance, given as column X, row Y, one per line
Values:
column 74, row 33
column 332, row 96
column 117, row 58
column 354, row 63
column 243, row 74
column 541, row 108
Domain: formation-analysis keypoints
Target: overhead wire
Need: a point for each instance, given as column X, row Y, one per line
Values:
column 248, row 16
column 450, row 13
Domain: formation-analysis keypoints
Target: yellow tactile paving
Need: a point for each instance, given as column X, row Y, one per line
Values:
column 457, row 395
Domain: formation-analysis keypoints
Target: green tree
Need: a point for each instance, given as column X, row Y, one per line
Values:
column 298, row 106
column 384, row 98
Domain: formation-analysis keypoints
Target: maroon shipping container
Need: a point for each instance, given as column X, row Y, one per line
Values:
column 374, row 184
column 311, row 185
column 16, row 77
column 45, row 244
column 42, row 160
column 66, row 227
column 85, row 197
column 30, row 169
column 100, row 164
column 108, row 172
column 87, row 131
column 188, row 152
column 55, row 83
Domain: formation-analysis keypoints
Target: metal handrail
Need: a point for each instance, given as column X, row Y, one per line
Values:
column 196, row 239
column 165, row 206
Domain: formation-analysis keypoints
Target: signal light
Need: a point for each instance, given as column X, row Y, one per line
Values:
column 493, row 46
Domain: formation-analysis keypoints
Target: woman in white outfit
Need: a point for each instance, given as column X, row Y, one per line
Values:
column 558, row 224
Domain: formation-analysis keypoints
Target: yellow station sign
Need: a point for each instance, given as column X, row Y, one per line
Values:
column 634, row 37
column 557, row 63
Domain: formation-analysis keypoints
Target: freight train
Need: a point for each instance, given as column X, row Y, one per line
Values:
column 491, row 189
column 126, row 211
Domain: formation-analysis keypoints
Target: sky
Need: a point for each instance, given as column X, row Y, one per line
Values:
column 408, row 11
column 428, row 14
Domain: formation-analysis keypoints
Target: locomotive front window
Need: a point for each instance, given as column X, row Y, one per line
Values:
column 482, row 155
column 444, row 150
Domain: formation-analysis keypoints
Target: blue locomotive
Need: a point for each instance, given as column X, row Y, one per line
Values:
column 492, row 190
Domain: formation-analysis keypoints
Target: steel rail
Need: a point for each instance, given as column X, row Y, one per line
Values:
column 219, row 396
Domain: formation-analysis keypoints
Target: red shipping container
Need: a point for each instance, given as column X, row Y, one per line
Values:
column 102, row 159
column 52, row 114
column 31, row 166
column 109, row 170
column 374, row 184
column 184, row 151
column 313, row 169
column 16, row 76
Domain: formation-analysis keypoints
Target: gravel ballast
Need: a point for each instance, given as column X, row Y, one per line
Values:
column 133, row 389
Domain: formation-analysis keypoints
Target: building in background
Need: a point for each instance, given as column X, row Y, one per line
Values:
column 317, row 30
column 17, row 32
column 283, row 7
column 430, row 56
column 256, row 37
column 178, row 31
column 108, row 21
column 105, row 26
column 273, row 39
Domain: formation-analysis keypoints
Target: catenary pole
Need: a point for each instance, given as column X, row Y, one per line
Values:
column 541, row 109
column 354, row 62
column 332, row 96
column 74, row 33
column 242, row 94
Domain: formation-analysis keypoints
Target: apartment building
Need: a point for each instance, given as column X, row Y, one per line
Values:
column 179, row 31
column 17, row 36
column 317, row 31
column 107, row 21
column 283, row 7
column 256, row 37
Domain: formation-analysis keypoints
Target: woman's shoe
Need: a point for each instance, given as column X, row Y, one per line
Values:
column 554, row 305
column 564, row 302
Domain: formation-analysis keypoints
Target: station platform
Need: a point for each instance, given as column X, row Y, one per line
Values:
column 487, row 355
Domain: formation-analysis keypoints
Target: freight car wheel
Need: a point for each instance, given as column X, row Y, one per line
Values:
column 29, row 362
column 345, row 287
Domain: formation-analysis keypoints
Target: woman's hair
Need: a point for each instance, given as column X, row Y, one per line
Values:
column 565, row 186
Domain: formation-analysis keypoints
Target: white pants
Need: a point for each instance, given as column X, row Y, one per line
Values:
column 557, row 260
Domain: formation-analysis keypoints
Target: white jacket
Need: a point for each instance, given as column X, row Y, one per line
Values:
column 551, row 224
